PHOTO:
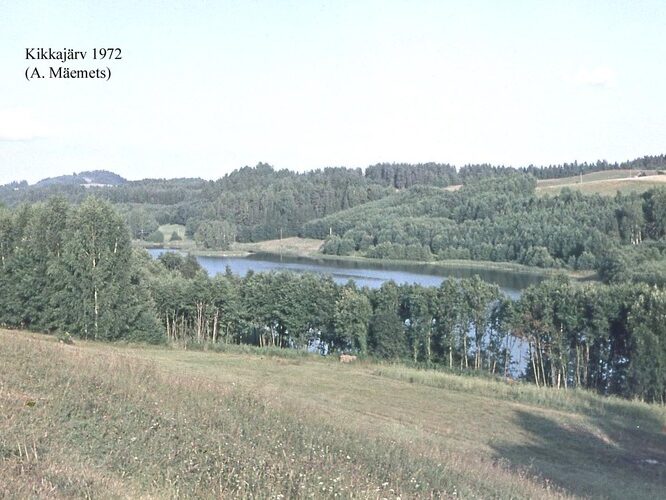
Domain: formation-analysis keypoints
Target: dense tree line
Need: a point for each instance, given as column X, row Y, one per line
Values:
column 657, row 162
column 263, row 203
column 71, row 268
column 404, row 175
column 608, row 338
column 259, row 203
column 498, row 219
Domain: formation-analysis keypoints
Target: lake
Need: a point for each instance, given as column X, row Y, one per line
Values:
column 364, row 273
column 372, row 274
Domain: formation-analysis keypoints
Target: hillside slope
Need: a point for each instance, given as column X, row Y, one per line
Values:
column 606, row 183
column 88, row 178
column 86, row 419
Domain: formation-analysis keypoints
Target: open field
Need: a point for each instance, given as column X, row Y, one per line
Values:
column 292, row 246
column 96, row 420
column 288, row 246
column 605, row 183
column 168, row 229
column 185, row 244
column 604, row 175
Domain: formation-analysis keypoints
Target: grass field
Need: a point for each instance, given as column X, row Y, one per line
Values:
column 605, row 183
column 291, row 246
column 185, row 244
column 168, row 229
column 288, row 246
column 99, row 420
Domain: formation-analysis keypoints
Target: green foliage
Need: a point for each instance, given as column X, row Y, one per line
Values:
column 71, row 269
column 215, row 234
column 601, row 337
column 646, row 373
column 393, row 211
column 495, row 219
column 65, row 338
column 175, row 236
column 645, row 263
column 187, row 266
column 607, row 338
column 155, row 237
column 351, row 318
column 141, row 222
column 67, row 268
column 387, row 337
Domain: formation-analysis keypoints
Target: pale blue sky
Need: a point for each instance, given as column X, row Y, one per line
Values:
column 207, row 87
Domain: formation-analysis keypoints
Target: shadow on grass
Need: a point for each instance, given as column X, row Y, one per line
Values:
column 598, row 457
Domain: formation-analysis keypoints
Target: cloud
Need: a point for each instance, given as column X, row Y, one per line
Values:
column 20, row 124
column 598, row 76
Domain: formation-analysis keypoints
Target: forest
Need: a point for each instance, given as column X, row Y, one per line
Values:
column 261, row 203
column 71, row 269
column 501, row 219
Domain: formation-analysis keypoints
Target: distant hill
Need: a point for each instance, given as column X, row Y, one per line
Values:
column 90, row 178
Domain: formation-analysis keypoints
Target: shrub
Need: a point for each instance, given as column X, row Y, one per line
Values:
column 65, row 338
column 155, row 237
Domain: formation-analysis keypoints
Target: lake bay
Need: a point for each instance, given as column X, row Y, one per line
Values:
column 365, row 273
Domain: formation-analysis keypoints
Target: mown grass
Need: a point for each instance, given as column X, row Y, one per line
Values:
column 291, row 246
column 90, row 425
column 604, row 175
column 99, row 420
column 168, row 229
column 570, row 400
column 247, row 349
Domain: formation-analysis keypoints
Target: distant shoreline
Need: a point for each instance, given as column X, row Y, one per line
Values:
column 271, row 247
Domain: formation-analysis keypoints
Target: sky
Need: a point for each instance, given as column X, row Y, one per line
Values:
column 204, row 88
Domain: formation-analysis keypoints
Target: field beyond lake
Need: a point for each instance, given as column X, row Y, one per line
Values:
column 90, row 418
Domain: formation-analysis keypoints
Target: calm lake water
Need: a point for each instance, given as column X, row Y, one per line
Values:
column 370, row 274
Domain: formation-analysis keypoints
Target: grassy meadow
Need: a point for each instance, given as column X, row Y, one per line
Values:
column 290, row 246
column 168, row 229
column 606, row 183
column 91, row 419
column 184, row 243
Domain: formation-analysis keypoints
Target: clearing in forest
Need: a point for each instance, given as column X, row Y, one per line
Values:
column 292, row 245
column 606, row 183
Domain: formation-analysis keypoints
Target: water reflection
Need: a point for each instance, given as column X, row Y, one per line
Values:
column 370, row 274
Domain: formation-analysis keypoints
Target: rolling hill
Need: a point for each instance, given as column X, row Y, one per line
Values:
column 95, row 178
column 90, row 418
column 606, row 183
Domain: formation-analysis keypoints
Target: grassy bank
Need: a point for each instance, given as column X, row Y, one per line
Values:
column 572, row 400
column 311, row 249
column 481, row 265
column 287, row 246
column 90, row 419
